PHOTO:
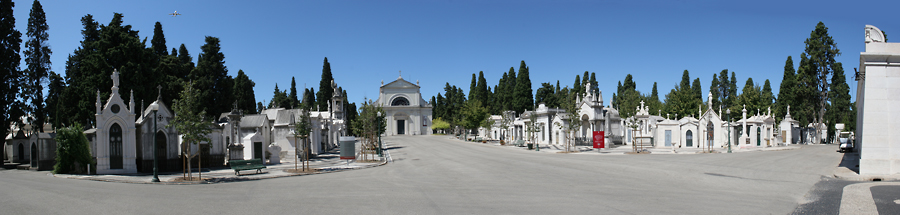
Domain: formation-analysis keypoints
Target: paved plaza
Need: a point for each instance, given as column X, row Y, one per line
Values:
column 440, row 175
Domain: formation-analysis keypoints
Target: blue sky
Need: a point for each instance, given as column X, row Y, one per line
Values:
column 436, row 42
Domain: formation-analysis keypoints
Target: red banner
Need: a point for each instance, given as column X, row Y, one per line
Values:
column 598, row 140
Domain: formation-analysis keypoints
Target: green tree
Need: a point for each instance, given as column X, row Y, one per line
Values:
column 473, row 89
column 439, row 125
column 37, row 58
column 750, row 97
column 841, row 109
column 73, row 151
column 822, row 50
column 473, row 115
column 158, row 44
column 302, row 129
column 191, row 124
column 786, row 90
column 545, row 95
column 571, row 121
column 653, row 102
column 10, row 40
column 325, row 90
column 483, row 91
column 510, row 90
column 524, row 97
column 212, row 79
column 279, row 99
column 243, row 93
column 805, row 93
column 292, row 96
column 369, row 126
column 309, row 99
column 54, row 95
column 715, row 91
column 766, row 96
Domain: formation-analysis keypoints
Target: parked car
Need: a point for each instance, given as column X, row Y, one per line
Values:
column 846, row 139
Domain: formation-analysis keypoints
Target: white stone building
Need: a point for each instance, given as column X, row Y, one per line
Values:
column 878, row 105
column 114, row 146
column 406, row 112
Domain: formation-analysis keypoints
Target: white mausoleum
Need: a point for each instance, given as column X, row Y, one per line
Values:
column 878, row 105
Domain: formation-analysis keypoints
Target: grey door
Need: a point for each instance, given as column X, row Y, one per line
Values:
column 668, row 137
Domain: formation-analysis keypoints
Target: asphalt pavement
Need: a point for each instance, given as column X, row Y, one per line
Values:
column 439, row 175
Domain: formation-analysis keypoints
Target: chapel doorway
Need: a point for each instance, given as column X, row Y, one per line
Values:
column 709, row 135
column 161, row 150
column 689, row 139
column 34, row 155
column 257, row 150
column 115, row 147
column 21, row 152
column 401, row 127
column 758, row 141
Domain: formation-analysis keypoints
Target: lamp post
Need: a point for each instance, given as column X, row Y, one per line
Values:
column 155, row 108
column 728, row 116
column 378, row 120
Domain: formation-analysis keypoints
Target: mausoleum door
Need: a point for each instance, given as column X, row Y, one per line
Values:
column 757, row 136
column 668, row 138
column 115, row 147
column 161, row 150
column 21, row 152
column 34, row 155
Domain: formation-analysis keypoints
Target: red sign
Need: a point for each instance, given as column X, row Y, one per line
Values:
column 598, row 140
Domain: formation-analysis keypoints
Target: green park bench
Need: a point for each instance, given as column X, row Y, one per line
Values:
column 478, row 139
column 238, row 165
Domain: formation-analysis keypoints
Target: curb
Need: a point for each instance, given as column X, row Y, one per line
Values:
column 219, row 180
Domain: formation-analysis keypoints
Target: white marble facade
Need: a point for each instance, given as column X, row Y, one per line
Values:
column 878, row 105
column 406, row 112
column 114, row 147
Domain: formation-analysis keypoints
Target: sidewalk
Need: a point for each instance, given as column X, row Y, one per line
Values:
column 848, row 170
column 626, row 149
column 324, row 163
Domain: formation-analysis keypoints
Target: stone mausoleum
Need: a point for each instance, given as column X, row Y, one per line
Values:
column 878, row 105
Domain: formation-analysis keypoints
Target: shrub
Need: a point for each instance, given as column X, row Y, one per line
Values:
column 73, row 152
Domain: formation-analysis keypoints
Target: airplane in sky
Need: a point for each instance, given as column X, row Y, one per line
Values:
column 175, row 14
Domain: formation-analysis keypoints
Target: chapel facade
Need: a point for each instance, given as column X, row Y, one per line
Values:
column 406, row 112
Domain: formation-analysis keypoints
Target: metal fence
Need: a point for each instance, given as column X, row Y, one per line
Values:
column 584, row 141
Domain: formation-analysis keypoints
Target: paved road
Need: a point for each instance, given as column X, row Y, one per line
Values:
column 436, row 175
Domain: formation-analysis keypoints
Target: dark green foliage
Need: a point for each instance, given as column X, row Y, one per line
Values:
column 10, row 40
column 473, row 87
column 841, row 109
column 323, row 97
column 524, row 95
column 56, row 87
column 473, row 114
column 595, row 88
column 279, row 99
column 73, row 152
column 822, row 50
column 683, row 99
column 193, row 126
column 786, row 91
column 158, row 44
column 292, row 96
column 212, row 80
column 715, row 91
column 243, row 93
column 766, row 97
column 546, row 95
column 653, row 103
column 628, row 98
column 750, row 98
column 37, row 58
column 309, row 99
column 577, row 87
column 482, row 90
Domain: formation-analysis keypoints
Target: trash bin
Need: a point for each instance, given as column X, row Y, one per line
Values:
column 348, row 147
column 530, row 146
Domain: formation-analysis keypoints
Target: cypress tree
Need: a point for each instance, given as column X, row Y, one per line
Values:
column 785, row 90
column 10, row 40
column 294, row 102
column 524, row 94
column 325, row 90
column 158, row 44
column 243, row 93
column 473, row 89
column 482, row 89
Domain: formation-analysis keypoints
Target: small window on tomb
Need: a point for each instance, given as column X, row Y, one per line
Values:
column 400, row 101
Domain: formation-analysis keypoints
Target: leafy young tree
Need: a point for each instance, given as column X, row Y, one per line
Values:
column 37, row 58
column 571, row 121
column 369, row 126
column 440, row 125
column 191, row 124
column 822, row 50
column 302, row 129
column 473, row 114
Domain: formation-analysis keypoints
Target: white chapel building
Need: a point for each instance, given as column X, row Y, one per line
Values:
column 406, row 112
